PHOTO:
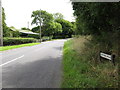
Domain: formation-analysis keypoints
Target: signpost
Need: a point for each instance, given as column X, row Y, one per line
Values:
column 108, row 57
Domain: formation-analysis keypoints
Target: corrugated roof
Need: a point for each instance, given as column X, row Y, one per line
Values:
column 24, row 31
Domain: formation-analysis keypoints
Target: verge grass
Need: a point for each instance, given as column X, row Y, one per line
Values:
column 80, row 70
column 17, row 46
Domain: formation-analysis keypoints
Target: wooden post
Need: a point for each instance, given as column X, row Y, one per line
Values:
column 100, row 56
column 113, row 59
column 110, row 57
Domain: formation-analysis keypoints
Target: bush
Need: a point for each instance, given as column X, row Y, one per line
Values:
column 82, row 67
column 88, row 51
column 33, row 36
column 15, row 41
column 46, row 38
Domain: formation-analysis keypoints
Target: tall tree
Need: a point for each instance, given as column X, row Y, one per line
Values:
column 58, row 16
column 67, row 28
column 6, row 30
column 101, row 21
column 41, row 18
column 52, row 29
column 44, row 17
column 97, row 18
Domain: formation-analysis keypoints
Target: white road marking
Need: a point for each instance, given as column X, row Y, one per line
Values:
column 11, row 61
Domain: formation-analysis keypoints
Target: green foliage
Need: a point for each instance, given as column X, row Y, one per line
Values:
column 52, row 29
column 16, row 41
column 67, row 28
column 96, row 18
column 48, row 29
column 46, row 38
column 76, row 71
column 57, row 30
column 44, row 18
column 47, row 22
column 35, row 29
column 33, row 36
column 6, row 30
column 74, row 28
column 101, row 20
column 15, row 34
column 56, row 27
column 80, row 69
column 24, row 28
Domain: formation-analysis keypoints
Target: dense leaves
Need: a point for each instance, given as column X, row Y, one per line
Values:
column 102, row 22
column 67, row 27
column 52, row 25
column 6, row 31
column 16, row 41
column 41, row 16
column 52, row 28
column 97, row 18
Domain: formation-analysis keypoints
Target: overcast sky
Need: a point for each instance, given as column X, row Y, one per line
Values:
column 18, row 12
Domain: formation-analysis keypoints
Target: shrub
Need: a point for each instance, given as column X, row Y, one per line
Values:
column 88, row 51
column 15, row 41
column 33, row 36
column 46, row 38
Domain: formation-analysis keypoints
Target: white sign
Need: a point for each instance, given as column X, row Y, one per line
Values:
column 106, row 56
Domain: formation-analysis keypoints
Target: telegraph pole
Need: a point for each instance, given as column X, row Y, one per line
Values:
column 40, row 27
column 1, row 30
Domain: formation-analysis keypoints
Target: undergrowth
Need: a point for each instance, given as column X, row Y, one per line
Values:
column 82, row 68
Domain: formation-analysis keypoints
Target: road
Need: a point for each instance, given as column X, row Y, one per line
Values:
column 36, row 66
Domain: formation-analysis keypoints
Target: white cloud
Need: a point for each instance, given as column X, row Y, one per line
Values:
column 18, row 12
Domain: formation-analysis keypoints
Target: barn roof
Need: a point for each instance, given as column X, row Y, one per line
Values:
column 24, row 31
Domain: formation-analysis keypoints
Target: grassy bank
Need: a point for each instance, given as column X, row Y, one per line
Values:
column 80, row 70
column 17, row 46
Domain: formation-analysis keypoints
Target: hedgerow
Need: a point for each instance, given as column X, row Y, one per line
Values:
column 16, row 41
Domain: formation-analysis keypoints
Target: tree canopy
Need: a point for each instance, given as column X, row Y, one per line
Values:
column 52, row 25
column 44, row 17
column 67, row 27
column 101, row 21
column 6, row 30
column 97, row 18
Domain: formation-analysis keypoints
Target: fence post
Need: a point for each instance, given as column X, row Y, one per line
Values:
column 100, row 56
column 113, row 59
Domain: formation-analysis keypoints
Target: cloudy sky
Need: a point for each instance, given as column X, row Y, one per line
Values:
column 18, row 12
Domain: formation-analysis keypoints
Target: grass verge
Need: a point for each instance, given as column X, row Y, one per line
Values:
column 17, row 46
column 79, row 71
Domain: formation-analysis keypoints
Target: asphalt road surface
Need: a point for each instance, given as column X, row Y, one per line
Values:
column 36, row 66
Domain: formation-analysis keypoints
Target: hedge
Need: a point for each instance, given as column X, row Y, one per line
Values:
column 33, row 36
column 16, row 41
